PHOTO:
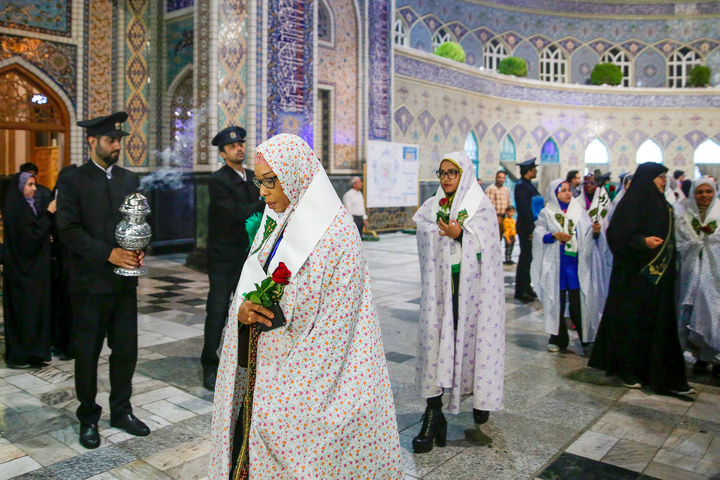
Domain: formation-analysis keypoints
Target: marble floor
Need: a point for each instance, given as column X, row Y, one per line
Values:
column 561, row 420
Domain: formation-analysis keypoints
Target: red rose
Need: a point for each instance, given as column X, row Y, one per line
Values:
column 281, row 275
column 443, row 201
column 612, row 188
column 707, row 229
column 677, row 195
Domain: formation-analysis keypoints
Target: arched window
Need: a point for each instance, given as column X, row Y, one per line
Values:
column 441, row 36
column 550, row 152
column 471, row 150
column 649, row 151
column 553, row 65
column 620, row 58
column 400, row 32
column 508, row 152
column 493, row 52
column 326, row 33
column 707, row 152
column 679, row 65
column 597, row 152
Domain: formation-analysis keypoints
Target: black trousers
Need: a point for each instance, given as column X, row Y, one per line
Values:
column 222, row 286
column 96, row 316
column 522, row 274
column 562, row 339
column 360, row 223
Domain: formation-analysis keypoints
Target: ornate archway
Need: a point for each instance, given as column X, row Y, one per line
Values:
column 34, row 124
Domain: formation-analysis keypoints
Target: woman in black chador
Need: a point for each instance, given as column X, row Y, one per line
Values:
column 638, row 336
column 26, row 287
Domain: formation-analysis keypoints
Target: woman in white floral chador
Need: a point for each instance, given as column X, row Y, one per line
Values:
column 318, row 403
column 461, row 337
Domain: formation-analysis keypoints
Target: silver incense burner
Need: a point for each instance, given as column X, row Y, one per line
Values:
column 133, row 232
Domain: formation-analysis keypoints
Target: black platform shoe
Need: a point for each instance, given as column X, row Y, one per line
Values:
column 480, row 416
column 434, row 428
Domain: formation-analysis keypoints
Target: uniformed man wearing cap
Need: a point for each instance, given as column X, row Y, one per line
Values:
column 104, row 304
column 524, row 193
column 233, row 199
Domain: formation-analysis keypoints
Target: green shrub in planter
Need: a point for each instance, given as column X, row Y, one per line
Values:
column 451, row 50
column 606, row 73
column 700, row 76
column 513, row 66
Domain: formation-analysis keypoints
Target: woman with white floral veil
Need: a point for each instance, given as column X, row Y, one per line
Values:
column 461, row 335
column 317, row 402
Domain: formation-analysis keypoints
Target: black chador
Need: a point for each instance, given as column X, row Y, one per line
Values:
column 27, row 278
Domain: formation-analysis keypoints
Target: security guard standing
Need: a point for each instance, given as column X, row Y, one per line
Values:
column 233, row 199
column 103, row 303
column 524, row 193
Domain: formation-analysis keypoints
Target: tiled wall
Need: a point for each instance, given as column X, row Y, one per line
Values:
column 338, row 66
column 647, row 32
column 438, row 102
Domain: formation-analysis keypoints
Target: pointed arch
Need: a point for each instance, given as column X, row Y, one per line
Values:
column 597, row 153
column 326, row 24
column 442, row 35
column 550, row 153
column 401, row 32
column 508, row 152
column 649, row 151
column 707, row 152
column 472, row 150
column 21, row 70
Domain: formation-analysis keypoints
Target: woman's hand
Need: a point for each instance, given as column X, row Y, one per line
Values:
column 597, row 227
column 52, row 207
column 250, row 313
column 562, row 237
column 451, row 230
column 653, row 242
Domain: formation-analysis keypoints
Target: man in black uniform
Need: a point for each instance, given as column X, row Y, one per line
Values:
column 103, row 303
column 233, row 199
column 524, row 192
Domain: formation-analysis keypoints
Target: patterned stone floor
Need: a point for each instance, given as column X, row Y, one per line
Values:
column 561, row 420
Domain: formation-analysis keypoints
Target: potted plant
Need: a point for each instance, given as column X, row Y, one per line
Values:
column 607, row 74
column 700, row 76
column 451, row 50
column 513, row 66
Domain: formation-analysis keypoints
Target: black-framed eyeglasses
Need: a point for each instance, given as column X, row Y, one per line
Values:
column 268, row 182
column 451, row 174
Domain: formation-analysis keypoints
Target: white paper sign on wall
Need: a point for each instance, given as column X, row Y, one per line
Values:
column 392, row 175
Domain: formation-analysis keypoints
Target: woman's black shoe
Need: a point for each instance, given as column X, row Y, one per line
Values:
column 480, row 416
column 434, row 427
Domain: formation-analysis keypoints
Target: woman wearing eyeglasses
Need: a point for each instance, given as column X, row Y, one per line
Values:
column 638, row 335
column 461, row 337
column 315, row 400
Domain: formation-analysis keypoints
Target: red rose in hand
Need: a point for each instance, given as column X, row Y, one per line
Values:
column 707, row 229
column 612, row 188
column 281, row 275
column 443, row 201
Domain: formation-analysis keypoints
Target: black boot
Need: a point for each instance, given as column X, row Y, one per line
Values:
column 434, row 427
column 480, row 416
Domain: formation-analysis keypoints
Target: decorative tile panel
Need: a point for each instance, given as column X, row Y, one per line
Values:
column 705, row 45
column 464, row 126
column 695, row 137
column 432, row 22
column 136, row 81
column 403, row 118
column 232, row 63
column 518, row 133
column 201, row 121
column 458, row 29
column 512, row 39
column 561, row 135
column 480, row 130
column 58, row 60
column 173, row 5
column 539, row 134
column 600, row 45
column 179, row 47
column 409, row 15
column 633, row 47
column 99, row 59
column 667, row 47
column 570, row 44
column 289, row 64
column 637, row 137
column 426, row 121
column 446, row 123
column 664, row 138
column 610, row 137
column 484, row 34
column 380, row 75
column 498, row 130
column 52, row 17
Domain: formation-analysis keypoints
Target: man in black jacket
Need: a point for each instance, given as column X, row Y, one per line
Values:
column 103, row 303
column 524, row 193
column 233, row 199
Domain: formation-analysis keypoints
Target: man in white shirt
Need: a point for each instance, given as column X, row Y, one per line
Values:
column 355, row 204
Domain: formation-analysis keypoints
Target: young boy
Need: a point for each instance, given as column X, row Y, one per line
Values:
column 510, row 233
